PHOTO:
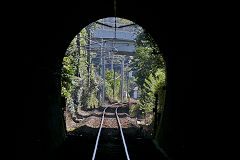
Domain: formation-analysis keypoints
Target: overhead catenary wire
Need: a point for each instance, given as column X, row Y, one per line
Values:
column 114, row 45
column 132, row 24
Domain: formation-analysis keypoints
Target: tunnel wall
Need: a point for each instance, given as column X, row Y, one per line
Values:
column 48, row 30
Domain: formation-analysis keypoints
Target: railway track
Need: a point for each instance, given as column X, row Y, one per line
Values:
column 114, row 148
column 105, row 141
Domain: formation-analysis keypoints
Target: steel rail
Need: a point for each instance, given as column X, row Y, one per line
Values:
column 99, row 132
column 98, row 136
column 123, row 139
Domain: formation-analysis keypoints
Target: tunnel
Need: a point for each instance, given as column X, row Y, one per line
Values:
column 48, row 30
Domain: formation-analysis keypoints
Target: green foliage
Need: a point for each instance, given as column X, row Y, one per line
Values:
column 149, row 73
column 153, row 85
column 68, row 72
column 109, row 81
column 145, row 63
column 89, row 94
column 79, row 86
column 155, row 82
column 134, row 110
column 80, row 81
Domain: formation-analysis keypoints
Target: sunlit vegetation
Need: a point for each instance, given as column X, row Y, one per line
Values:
column 81, row 81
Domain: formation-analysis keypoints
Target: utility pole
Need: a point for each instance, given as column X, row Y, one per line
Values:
column 113, row 83
column 127, row 84
column 88, row 59
column 78, row 46
column 112, row 61
column 103, row 73
column 100, row 75
column 122, row 81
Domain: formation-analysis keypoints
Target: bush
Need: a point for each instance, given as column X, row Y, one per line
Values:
column 134, row 110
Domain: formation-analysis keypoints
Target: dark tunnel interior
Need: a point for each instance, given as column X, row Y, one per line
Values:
column 48, row 30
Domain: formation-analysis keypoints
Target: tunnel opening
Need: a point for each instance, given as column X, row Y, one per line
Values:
column 56, row 26
column 113, row 61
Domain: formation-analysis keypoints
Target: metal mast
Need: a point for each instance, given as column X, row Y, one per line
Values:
column 103, row 73
column 122, row 81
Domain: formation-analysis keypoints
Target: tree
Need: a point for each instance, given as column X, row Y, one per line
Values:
column 109, row 80
column 79, row 85
column 154, row 84
column 147, row 66
column 145, row 63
